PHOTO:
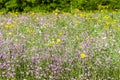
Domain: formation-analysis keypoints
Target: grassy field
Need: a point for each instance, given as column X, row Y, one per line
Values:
column 60, row 46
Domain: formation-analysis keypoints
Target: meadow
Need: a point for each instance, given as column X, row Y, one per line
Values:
column 60, row 46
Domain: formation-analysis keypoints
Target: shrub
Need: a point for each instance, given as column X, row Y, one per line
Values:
column 62, row 5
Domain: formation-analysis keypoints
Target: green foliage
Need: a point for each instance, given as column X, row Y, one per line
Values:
column 115, row 4
column 11, row 5
column 63, row 5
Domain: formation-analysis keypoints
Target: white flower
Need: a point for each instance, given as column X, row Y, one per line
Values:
column 119, row 51
column 104, row 38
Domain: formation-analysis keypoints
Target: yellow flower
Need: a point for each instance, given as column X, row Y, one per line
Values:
column 99, row 21
column 108, row 23
column 8, row 26
column 114, row 12
column 9, row 33
column 80, row 46
column 53, row 39
column 32, row 13
column 117, row 28
column 50, row 44
column 106, row 17
column 58, row 41
column 1, row 12
column 114, row 22
column 65, row 27
column 82, row 55
column 30, row 31
column 106, row 27
column 56, row 13
column 77, row 37
column 87, row 38
column 76, row 10
column 60, row 33
column 82, row 15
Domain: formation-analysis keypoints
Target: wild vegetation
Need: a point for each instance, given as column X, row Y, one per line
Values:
column 60, row 46
column 62, row 5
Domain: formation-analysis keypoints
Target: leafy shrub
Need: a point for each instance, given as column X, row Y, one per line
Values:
column 63, row 5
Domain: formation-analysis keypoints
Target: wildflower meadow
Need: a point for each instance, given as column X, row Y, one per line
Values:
column 60, row 45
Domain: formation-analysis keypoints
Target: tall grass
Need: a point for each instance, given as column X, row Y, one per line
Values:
column 60, row 46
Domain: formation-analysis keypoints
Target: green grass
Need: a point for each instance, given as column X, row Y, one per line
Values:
column 41, row 41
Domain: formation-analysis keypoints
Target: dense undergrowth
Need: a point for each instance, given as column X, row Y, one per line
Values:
column 62, row 5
